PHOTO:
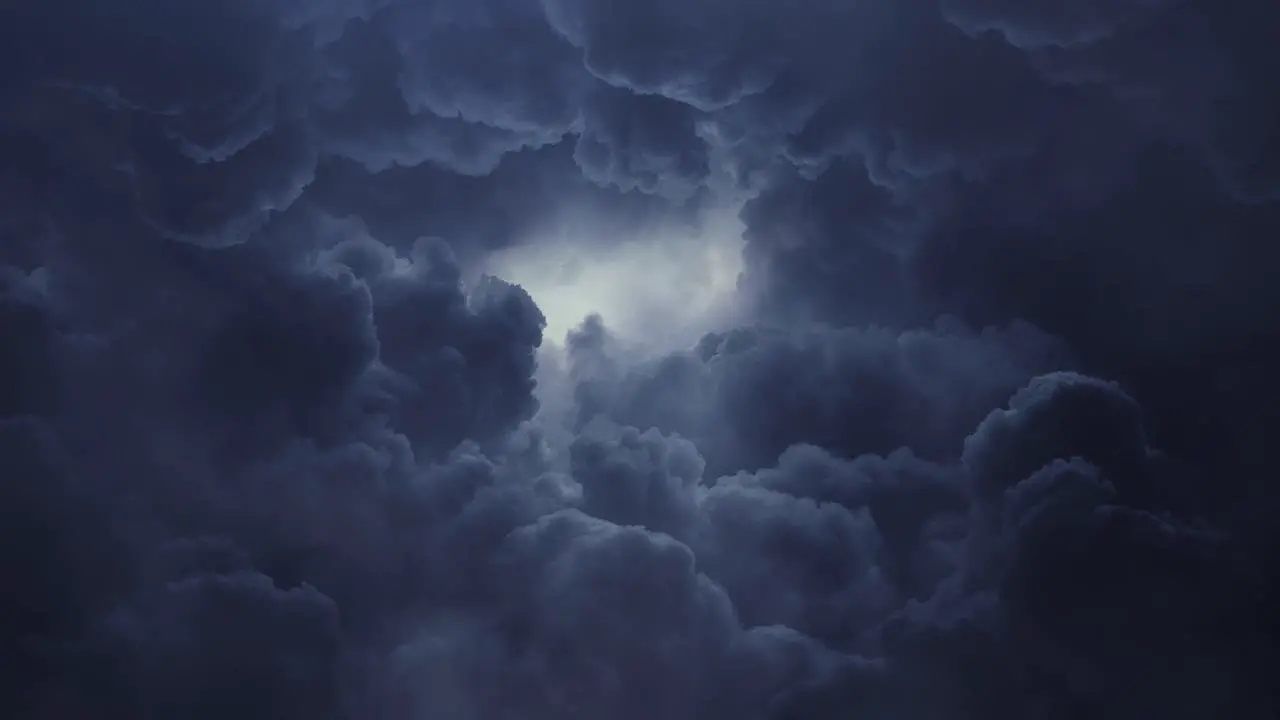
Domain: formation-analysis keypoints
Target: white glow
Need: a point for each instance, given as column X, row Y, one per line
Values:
column 658, row 289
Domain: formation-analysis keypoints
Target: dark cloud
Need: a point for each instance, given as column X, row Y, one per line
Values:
column 990, row 440
column 1044, row 25
column 864, row 390
column 646, row 142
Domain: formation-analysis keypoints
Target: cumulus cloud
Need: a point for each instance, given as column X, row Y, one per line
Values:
column 382, row 359
column 863, row 390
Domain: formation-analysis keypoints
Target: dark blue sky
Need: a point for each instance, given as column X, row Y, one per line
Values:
column 984, row 431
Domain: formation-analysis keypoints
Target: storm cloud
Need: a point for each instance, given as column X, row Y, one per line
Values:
column 290, row 426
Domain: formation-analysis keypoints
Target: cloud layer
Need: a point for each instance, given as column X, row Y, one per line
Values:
column 987, row 437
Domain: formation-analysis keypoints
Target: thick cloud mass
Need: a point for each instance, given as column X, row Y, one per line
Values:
column 985, row 431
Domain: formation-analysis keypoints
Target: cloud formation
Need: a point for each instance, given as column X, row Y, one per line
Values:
column 983, row 434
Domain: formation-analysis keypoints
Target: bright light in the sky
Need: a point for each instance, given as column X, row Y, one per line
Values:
column 659, row 288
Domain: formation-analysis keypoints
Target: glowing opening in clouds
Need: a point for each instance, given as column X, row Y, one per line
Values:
column 658, row 288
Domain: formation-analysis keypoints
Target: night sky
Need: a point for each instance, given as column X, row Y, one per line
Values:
column 639, row 359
